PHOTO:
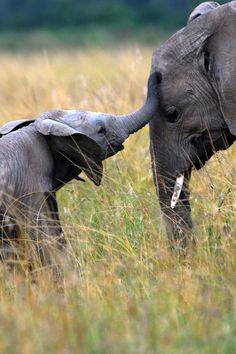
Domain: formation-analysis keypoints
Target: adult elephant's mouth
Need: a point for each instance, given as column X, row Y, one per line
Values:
column 204, row 148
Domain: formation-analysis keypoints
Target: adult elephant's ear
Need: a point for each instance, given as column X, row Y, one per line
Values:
column 14, row 125
column 73, row 148
column 214, row 35
column 222, row 64
column 202, row 9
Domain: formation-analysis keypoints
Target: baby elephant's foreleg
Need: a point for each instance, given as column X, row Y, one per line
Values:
column 41, row 229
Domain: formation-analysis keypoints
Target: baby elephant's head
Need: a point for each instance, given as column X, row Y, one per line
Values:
column 91, row 137
column 106, row 132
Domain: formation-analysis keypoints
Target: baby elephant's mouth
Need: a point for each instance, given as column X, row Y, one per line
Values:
column 113, row 149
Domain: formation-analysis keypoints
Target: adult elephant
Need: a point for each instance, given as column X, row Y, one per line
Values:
column 197, row 112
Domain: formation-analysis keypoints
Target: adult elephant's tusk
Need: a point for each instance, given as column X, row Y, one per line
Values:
column 177, row 190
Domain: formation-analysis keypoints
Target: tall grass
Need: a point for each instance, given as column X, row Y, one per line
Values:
column 123, row 291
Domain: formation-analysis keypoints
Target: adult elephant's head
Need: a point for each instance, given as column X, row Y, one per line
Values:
column 197, row 111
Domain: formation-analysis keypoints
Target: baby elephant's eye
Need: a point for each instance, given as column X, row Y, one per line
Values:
column 101, row 130
column 172, row 114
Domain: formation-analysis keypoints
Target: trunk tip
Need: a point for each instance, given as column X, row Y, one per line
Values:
column 153, row 84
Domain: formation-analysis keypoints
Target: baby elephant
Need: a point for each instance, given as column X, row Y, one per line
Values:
column 39, row 156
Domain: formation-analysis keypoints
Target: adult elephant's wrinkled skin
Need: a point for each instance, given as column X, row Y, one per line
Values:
column 197, row 112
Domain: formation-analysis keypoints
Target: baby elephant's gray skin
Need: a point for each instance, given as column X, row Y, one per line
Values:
column 37, row 157
column 197, row 112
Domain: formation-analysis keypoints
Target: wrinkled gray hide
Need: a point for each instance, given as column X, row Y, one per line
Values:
column 196, row 116
column 37, row 157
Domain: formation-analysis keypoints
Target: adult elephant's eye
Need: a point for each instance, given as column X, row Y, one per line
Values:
column 172, row 114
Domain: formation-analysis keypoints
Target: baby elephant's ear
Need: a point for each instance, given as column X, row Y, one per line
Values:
column 54, row 123
column 60, row 123
column 14, row 125
column 73, row 148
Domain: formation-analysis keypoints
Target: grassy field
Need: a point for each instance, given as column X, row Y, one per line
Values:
column 123, row 291
column 84, row 36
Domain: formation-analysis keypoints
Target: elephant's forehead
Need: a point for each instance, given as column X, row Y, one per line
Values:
column 167, row 55
column 174, row 94
column 184, row 44
column 76, row 118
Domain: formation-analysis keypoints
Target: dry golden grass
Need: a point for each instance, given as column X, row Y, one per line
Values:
column 122, row 291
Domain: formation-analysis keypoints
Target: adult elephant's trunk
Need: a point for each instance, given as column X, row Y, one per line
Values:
column 173, row 191
column 177, row 217
column 132, row 122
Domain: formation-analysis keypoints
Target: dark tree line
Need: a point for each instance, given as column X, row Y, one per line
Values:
column 22, row 14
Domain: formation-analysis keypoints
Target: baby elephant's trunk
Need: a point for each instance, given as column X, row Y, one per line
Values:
column 134, row 121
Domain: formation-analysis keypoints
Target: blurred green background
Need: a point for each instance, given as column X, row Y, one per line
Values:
column 49, row 23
